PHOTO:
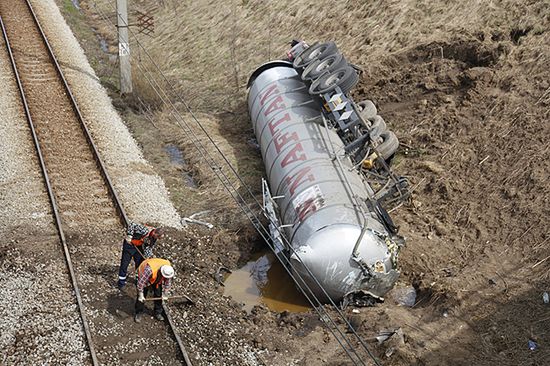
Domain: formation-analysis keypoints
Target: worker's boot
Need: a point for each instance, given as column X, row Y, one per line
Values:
column 120, row 284
column 159, row 316
column 138, row 317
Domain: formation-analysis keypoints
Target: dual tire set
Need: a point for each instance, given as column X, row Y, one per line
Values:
column 385, row 140
column 325, row 68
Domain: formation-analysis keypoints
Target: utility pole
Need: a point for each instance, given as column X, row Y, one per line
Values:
column 123, row 47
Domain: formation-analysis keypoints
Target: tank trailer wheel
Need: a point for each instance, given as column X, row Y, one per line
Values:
column 388, row 146
column 345, row 78
column 327, row 64
column 316, row 52
column 367, row 109
column 378, row 126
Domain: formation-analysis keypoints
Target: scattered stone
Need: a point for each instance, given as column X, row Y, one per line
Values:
column 404, row 296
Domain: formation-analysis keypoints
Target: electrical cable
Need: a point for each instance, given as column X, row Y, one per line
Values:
column 249, row 213
column 237, row 196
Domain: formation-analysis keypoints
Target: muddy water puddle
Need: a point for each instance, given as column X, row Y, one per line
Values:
column 176, row 158
column 263, row 280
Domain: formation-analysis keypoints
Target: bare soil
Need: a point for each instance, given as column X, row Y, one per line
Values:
column 466, row 89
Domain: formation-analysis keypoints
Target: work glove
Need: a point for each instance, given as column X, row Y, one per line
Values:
column 129, row 239
column 141, row 297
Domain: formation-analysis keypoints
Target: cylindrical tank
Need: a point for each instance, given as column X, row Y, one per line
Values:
column 319, row 215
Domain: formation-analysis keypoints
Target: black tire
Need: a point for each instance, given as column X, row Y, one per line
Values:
column 367, row 109
column 327, row 64
column 389, row 145
column 316, row 52
column 377, row 127
column 345, row 78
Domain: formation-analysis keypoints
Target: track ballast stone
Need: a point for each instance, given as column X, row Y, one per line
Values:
column 23, row 199
column 142, row 191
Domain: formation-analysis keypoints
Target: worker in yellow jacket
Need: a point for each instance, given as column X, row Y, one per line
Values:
column 154, row 274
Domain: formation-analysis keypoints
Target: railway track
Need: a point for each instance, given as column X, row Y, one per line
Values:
column 87, row 212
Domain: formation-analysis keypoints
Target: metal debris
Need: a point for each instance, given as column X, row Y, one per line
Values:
column 360, row 299
column 393, row 339
column 192, row 219
column 218, row 276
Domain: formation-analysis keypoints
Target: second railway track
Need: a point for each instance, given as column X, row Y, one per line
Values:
column 88, row 214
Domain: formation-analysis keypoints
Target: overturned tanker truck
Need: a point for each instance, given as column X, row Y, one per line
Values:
column 329, row 183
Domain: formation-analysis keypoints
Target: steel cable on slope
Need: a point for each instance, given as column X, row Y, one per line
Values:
column 264, row 232
column 257, row 224
column 260, row 228
column 252, row 217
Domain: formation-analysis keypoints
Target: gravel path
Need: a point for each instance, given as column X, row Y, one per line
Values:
column 141, row 190
column 39, row 322
column 23, row 199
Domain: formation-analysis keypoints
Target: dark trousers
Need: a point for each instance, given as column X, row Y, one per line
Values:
column 157, row 292
column 128, row 252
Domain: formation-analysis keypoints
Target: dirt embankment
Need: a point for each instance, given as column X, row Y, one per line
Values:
column 465, row 87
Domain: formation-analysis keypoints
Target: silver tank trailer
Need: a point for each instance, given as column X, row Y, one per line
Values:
column 319, row 217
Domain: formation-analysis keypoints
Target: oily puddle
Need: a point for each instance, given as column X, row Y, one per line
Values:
column 263, row 280
column 176, row 158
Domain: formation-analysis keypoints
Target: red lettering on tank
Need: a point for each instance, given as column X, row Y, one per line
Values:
column 281, row 139
column 295, row 154
column 275, row 105
column 272, row 90
column 304, row 175
column 274, row 124
column 306, row 208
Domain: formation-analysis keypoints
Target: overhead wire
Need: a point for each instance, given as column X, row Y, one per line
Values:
column 317, row 305
column 249, row 213
column 252, row 217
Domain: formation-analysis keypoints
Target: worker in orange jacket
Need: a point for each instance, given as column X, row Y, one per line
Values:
column 154, row 274
column 138, row 245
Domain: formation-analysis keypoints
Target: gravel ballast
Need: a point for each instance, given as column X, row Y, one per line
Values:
column 142, row 191
column 23, row 199
column 40, row 320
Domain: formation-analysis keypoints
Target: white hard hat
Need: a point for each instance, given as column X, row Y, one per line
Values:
column 167, row 271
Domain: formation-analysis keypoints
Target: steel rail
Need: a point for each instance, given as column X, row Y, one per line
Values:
column 53, row 201
column 103, row 170
column 101, row 166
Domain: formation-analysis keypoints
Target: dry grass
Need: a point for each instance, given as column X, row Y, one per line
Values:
column 207, row 49
column 209, row 45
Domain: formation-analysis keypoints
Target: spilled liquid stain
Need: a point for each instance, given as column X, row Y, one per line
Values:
column 176, row 158
column 263, row 280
